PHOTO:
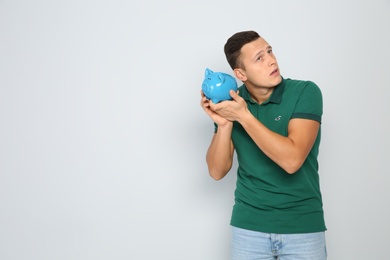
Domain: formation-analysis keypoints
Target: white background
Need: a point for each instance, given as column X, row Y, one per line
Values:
column 103, row 140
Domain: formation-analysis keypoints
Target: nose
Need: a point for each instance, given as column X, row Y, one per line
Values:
column 205, row 87
column 271, row 60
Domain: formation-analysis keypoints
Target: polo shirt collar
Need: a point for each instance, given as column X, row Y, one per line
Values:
column 276, row 96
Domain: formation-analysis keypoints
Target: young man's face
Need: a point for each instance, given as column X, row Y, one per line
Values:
column 259, row 65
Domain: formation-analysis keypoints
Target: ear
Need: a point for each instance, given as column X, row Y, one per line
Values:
column 240, row 74
column 208, row 72
column 221, row 78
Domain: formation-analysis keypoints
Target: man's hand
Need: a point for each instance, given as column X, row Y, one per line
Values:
column 206, row 105
column 232, row 110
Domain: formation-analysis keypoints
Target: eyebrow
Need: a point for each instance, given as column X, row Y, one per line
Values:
column 261, row 51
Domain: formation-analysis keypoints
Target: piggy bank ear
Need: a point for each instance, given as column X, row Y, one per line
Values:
column 208, row 72
column 221, row 78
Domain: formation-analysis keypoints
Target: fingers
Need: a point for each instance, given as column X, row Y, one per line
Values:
column 205, row 103
column 203, row 99
column 235, row 95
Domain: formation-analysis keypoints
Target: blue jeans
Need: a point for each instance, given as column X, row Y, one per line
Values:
column 253, row 245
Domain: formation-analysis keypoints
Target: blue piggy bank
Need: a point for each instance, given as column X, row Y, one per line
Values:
column 216, row 85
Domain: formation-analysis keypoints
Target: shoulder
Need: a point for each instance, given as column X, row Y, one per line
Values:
column 242, row 87
column 302, row 86
column 296, row 83
column 242, row 91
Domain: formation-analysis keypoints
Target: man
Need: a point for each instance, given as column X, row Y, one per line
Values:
column 273, row 124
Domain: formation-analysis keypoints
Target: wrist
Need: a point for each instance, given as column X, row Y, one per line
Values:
column 245, row 117
column 227, row 126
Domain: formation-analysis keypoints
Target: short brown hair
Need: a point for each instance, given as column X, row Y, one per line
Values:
column 234, row 44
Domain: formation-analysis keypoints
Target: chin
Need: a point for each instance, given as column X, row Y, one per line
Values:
column 276, row 81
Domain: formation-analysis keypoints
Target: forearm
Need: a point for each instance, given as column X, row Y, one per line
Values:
column 283, row 150
column 220, row 153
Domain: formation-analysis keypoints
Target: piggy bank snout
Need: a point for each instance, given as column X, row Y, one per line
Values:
column 206, row 89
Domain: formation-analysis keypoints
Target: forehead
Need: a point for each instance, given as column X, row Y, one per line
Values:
column 254, row 47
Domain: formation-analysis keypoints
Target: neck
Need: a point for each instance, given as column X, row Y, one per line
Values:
column 259, row 94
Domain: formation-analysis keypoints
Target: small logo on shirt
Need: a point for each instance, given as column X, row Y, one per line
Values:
column 278, row 118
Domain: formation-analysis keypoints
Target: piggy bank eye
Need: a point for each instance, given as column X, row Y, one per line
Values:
column 209, row 78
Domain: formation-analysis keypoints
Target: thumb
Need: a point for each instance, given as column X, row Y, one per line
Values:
column 234, row 95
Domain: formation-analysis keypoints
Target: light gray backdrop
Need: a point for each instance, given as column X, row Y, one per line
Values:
column 102, row 139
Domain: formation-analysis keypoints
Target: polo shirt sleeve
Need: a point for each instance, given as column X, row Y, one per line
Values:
column 309, row 103
column 215, row 128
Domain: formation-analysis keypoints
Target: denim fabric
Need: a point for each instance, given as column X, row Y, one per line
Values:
column 253, row 245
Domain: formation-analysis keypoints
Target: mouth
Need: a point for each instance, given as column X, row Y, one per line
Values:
column 274, row 72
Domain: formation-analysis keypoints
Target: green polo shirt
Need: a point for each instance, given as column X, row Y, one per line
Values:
column 268, row 199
